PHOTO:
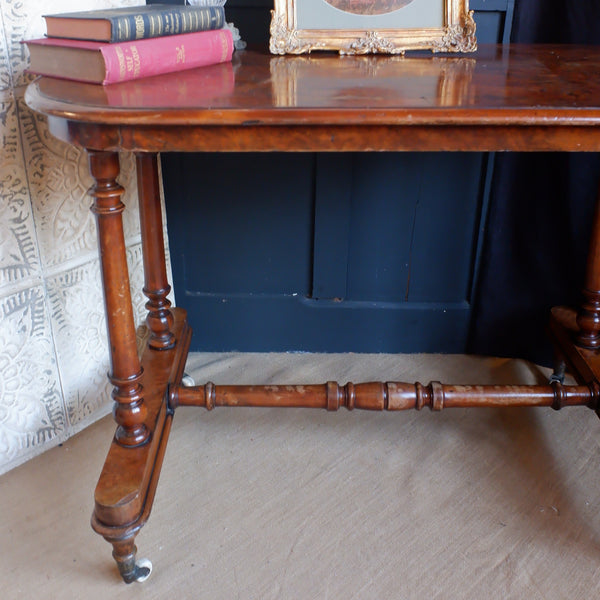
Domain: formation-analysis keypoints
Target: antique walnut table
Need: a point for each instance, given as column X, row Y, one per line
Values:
column 517, row 98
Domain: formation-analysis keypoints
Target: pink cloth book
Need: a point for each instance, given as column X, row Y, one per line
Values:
column 102, row 62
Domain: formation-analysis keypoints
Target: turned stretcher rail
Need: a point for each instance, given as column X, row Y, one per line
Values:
column 385, row 396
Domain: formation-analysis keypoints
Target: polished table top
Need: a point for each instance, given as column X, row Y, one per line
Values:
column 498, row 86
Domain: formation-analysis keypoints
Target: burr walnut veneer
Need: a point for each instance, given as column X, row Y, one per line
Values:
column 517, row 98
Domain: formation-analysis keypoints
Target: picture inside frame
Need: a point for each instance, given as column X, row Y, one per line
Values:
column 372, row 26
column 373, row 14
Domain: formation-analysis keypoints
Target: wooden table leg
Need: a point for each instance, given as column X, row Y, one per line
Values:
column 588, row 318
column 126, row 372
column 125, row 490
column 157, row 288
column 576, row 333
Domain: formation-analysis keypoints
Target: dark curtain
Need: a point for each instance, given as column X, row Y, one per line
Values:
column 540, row 214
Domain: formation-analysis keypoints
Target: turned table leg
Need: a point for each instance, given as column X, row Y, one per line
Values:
column 156, row 288
column 588, row 318
column 129, row 410
column 576, row 332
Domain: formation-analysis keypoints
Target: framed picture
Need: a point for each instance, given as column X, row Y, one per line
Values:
column 372, row 26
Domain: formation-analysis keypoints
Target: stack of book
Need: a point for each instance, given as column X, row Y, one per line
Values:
column 120, row 44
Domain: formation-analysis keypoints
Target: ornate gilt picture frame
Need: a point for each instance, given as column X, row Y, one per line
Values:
column 372, row 26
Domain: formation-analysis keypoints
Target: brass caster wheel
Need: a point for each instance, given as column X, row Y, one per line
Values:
column 141, row 571
column 143, row 568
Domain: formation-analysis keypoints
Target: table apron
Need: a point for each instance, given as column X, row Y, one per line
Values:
column 330, row 138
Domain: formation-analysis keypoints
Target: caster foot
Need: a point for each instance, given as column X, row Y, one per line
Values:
column 140, row 572
column 187, row 380
column 130, row 569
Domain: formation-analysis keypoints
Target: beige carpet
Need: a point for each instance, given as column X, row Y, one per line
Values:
column 299, row 504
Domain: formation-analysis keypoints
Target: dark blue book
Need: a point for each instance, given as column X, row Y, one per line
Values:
column 134, row 22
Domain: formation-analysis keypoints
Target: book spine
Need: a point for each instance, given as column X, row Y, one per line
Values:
column 171, row 21
column 132, row 60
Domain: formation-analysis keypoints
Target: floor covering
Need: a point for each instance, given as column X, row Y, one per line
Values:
column 301, row 504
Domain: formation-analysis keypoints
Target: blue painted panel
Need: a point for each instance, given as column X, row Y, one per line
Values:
column 381, row 225
column 447, row 211
column 381, row 239
column 252, row 323
column 247, row 228
column 333, row 193
column 244, row 264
